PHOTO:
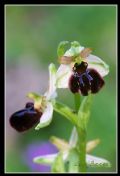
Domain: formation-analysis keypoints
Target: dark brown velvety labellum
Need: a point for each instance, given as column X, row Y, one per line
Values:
column 74, row 84
column 84, row 80
column 25, row 119
column 97, row 82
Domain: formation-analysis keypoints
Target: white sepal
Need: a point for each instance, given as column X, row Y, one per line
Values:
column 98, row 64
column 51, row 93
column 63, row 74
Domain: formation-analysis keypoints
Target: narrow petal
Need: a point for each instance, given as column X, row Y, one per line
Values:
column 63, row 74
column 49, row 159
column 51, row 93
column 97, row 64
column 85, row 52
column 61, row 144
column 46, row 117
column 92, row 144
column 93, row 160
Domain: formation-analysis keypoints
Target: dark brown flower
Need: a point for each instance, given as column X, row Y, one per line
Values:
column 26, row 118
column 85, row 80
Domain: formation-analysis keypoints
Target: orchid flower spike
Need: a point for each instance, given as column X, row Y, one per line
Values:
column 80, row 71
column 40, row 112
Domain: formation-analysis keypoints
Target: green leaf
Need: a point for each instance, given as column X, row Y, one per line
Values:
column 58, row 164
column 73, row 161
column 61, row 48
column 84, row 111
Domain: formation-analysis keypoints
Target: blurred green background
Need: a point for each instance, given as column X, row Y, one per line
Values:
column 32, row 36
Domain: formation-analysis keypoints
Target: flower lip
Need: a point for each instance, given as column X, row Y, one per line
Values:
column 74, row 84
column 85, row 80
column 26, row 118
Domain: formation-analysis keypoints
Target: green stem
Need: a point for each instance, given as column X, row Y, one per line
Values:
column 82, row 149
column 77, row 100
column 81, row 144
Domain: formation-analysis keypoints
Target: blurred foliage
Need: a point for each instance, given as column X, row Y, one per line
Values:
column 37, row 31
